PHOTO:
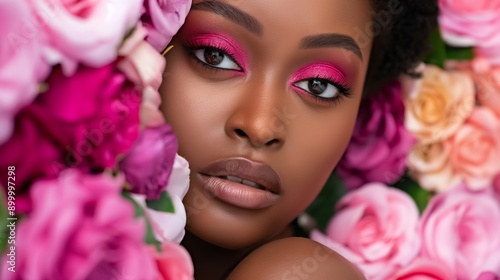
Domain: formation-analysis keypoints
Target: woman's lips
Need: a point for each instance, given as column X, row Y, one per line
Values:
column 241, row 182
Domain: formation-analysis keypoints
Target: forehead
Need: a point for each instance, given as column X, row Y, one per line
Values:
column 284, row 22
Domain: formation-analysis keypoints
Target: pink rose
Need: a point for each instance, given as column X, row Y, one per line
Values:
column 80, row 228
column 380, row 144
column 486, row 79
column 21, row 63
column 166, row 226
column 488, row 276
column 488, row 84
column 178, row 183
column 150, row 113
column 174, row 262
column 475, row 149
column 148, row 164
column 85, row 121
column 422, row 269
column 81, row 31
column 144, row 66
column 170, row 226
column 460, row 230
column 162, row 19
column 472, row 23
column 375, row 227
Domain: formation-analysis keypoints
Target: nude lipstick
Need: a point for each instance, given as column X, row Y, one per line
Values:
column 241, row 182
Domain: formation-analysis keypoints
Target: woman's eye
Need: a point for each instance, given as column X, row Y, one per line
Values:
column 318, row 87
column 216, row 58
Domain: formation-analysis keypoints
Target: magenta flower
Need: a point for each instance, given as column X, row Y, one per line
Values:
column 162, row 19
column 148, row 165
column 380, row 144
column 496, row 186
column 102, row 107
column 170, row 226
column 83, row 121
column 80, row 228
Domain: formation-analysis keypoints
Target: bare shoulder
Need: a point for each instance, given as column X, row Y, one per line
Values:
column 295, row 258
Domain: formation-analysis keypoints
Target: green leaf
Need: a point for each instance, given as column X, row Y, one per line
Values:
column 4, row 230
column 412, row 188
column 139, row 213
column 163, row 204
column 455, row 53
column 322, row 208
column 437, row 53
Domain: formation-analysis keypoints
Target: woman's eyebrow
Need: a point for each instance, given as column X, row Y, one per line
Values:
column 331, row 40
column 231, row 13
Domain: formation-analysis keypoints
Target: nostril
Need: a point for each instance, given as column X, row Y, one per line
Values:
column 240, row 133
column 255, row 140
column 270, row 143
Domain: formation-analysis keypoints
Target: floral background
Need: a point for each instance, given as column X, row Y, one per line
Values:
column 82, row 198
column 416, row 195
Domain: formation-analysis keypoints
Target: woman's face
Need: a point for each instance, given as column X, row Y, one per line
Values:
column 263, row 96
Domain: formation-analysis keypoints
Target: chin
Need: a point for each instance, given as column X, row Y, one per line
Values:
column 221, row 239
column 229, row 238
column 228, row 227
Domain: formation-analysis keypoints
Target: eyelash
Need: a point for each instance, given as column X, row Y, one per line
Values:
column 192, row 47
column 344, row 90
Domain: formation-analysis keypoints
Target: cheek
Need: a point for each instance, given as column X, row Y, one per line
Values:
column 189, row 106
column 316, row 146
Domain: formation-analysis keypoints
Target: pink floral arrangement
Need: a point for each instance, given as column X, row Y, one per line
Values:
column 422, row 172
column 81, row 195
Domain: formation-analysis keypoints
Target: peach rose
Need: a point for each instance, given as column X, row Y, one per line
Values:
column 438, row 104
column 475, row 149
column 429, row 164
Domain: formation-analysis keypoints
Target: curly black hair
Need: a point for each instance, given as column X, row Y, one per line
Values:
column 401, row 30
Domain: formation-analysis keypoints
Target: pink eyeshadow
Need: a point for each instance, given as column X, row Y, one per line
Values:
column 320, row 70
column 223, row 42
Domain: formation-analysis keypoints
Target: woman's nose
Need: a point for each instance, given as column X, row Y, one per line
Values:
column 257, row 119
